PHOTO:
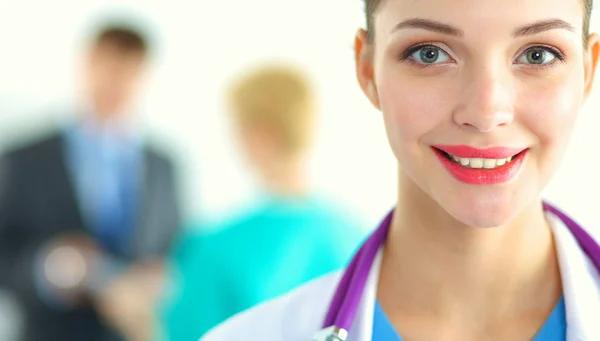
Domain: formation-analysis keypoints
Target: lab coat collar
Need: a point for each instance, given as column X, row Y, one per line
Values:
column 362, row 328
column 581, row 285
column 581, row 289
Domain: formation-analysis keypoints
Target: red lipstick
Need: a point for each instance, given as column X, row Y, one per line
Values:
column 474, row 173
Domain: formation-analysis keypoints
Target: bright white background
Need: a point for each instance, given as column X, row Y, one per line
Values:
column 202, row 44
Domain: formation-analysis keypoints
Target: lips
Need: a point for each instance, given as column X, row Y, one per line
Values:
column 476, row 166
column 487, row 153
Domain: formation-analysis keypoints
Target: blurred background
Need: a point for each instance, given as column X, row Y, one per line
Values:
column 195, row 51
column 184, row 99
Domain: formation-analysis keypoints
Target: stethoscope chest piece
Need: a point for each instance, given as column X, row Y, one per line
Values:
column 332, row 333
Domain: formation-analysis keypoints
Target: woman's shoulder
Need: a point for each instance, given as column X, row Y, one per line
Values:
column 293, row 316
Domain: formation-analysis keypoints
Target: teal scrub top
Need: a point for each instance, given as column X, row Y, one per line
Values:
column 256, row 256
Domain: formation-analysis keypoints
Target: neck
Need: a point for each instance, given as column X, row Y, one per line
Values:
column 478, row 277
column 100, row 121
column 285, row 178
column 105, row 112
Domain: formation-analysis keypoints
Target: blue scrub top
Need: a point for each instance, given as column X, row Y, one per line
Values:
column 555, row 328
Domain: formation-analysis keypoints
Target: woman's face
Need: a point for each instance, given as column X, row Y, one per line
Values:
column 479, row 98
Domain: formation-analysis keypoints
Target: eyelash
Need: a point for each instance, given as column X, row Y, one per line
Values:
column 407, row 55
column 559, row 56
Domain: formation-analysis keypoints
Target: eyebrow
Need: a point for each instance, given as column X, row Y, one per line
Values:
column 430, row 25
column 542, row 26
column 439, row 27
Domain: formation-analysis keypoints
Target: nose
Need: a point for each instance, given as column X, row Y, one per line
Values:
column 487, row 102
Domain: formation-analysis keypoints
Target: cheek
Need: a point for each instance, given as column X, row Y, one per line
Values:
column 549, row 111
column 412, row 108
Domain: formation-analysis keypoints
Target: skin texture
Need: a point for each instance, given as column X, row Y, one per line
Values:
column 476, row 256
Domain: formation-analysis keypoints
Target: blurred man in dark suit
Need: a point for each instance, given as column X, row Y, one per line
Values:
column 87, row 214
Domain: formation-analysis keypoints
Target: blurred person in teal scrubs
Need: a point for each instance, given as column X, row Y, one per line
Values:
column 289, row 236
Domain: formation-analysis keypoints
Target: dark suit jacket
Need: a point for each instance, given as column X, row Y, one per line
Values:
column 38, row 202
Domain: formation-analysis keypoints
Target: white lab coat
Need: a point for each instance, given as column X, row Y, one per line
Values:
column 298, row 315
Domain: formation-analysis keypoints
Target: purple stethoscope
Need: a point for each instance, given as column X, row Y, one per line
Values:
column 349, row 291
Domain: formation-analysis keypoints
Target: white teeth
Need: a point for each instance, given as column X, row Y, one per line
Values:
column 479, row 163
column 489, row 163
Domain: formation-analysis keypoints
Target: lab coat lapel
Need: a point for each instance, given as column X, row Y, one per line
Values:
column 581, row 285
column 362, row 328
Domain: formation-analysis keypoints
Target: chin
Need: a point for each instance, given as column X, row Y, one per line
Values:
column 486, row 210
column 481, row 218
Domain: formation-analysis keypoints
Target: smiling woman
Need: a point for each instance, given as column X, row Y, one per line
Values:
column 479, row 103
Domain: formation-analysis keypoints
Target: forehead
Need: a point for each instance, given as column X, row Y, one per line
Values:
column 114, row 52
column 479, row 16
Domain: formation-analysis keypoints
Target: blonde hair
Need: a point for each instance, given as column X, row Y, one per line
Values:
column 278, row 98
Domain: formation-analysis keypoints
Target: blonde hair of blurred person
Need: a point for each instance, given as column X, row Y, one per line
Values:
column 273, row 108
column 286, row 238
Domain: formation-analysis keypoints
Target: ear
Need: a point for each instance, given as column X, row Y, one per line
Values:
column 363, row 55
column 591, row 62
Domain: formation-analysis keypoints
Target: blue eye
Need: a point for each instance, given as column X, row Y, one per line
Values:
column 538, row 56
column 429, row 55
